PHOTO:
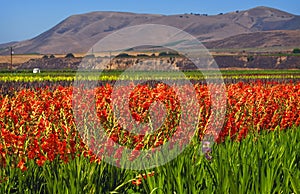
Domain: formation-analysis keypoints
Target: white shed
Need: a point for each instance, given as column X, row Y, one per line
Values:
column 36, row 70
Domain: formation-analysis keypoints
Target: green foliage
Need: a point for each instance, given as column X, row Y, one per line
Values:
column 261, row 163
column 67, row 75
column 163, row 54
column 76, row 176
column 296, row 50
column 250, row 58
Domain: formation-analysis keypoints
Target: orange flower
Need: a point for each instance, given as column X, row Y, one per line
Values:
column 21, row 165
column 137, row 182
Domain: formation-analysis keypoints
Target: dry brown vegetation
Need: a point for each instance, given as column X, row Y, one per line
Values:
column 22, row 58
column 18, row 58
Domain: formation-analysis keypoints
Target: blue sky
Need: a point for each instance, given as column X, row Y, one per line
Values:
column 25, row 19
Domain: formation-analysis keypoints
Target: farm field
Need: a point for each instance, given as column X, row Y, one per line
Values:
column 70, row 75
column 44, row 150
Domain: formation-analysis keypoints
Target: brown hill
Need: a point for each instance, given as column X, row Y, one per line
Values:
column 78, row 33
column 278, row 38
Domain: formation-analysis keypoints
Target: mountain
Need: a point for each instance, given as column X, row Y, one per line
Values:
column 78, row 33
column 262, row 39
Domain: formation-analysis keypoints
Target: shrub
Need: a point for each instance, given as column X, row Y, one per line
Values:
column 250, row 58
column 169, row 53
column 69, row 55
column 123, row 55
column 142, row 55
column 163, row 54
column 296, row 50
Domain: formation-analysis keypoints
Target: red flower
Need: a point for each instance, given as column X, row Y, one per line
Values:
column 41, row 160
column 21, row 165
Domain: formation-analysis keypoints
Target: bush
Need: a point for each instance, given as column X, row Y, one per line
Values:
column 69, row 55
column 163, row 54
column 250, row 58
column 142, row 55
column 296, row 50
column 169, row 53
column 123, row 55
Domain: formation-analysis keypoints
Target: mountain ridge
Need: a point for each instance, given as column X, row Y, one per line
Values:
column 78, row 33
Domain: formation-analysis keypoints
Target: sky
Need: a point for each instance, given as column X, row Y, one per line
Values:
column 25, row 19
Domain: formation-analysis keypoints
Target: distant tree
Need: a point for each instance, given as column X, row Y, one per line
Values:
column 142, row 55
column 69, row 55
column 123, row 55
column 169, row 53
column 250, row 58
column 161, row 54
column 173, row 53
column 296, row 50
column 45, row 57
column 52, row 56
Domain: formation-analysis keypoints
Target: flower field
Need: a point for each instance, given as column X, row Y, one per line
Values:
column 42, row 149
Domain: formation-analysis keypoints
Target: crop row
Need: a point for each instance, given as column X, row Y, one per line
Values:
column 46, row 125
column 148, row 75
column 40, row 123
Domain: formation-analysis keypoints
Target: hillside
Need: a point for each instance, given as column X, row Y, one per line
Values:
column 275, row 38
column 78, row 33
